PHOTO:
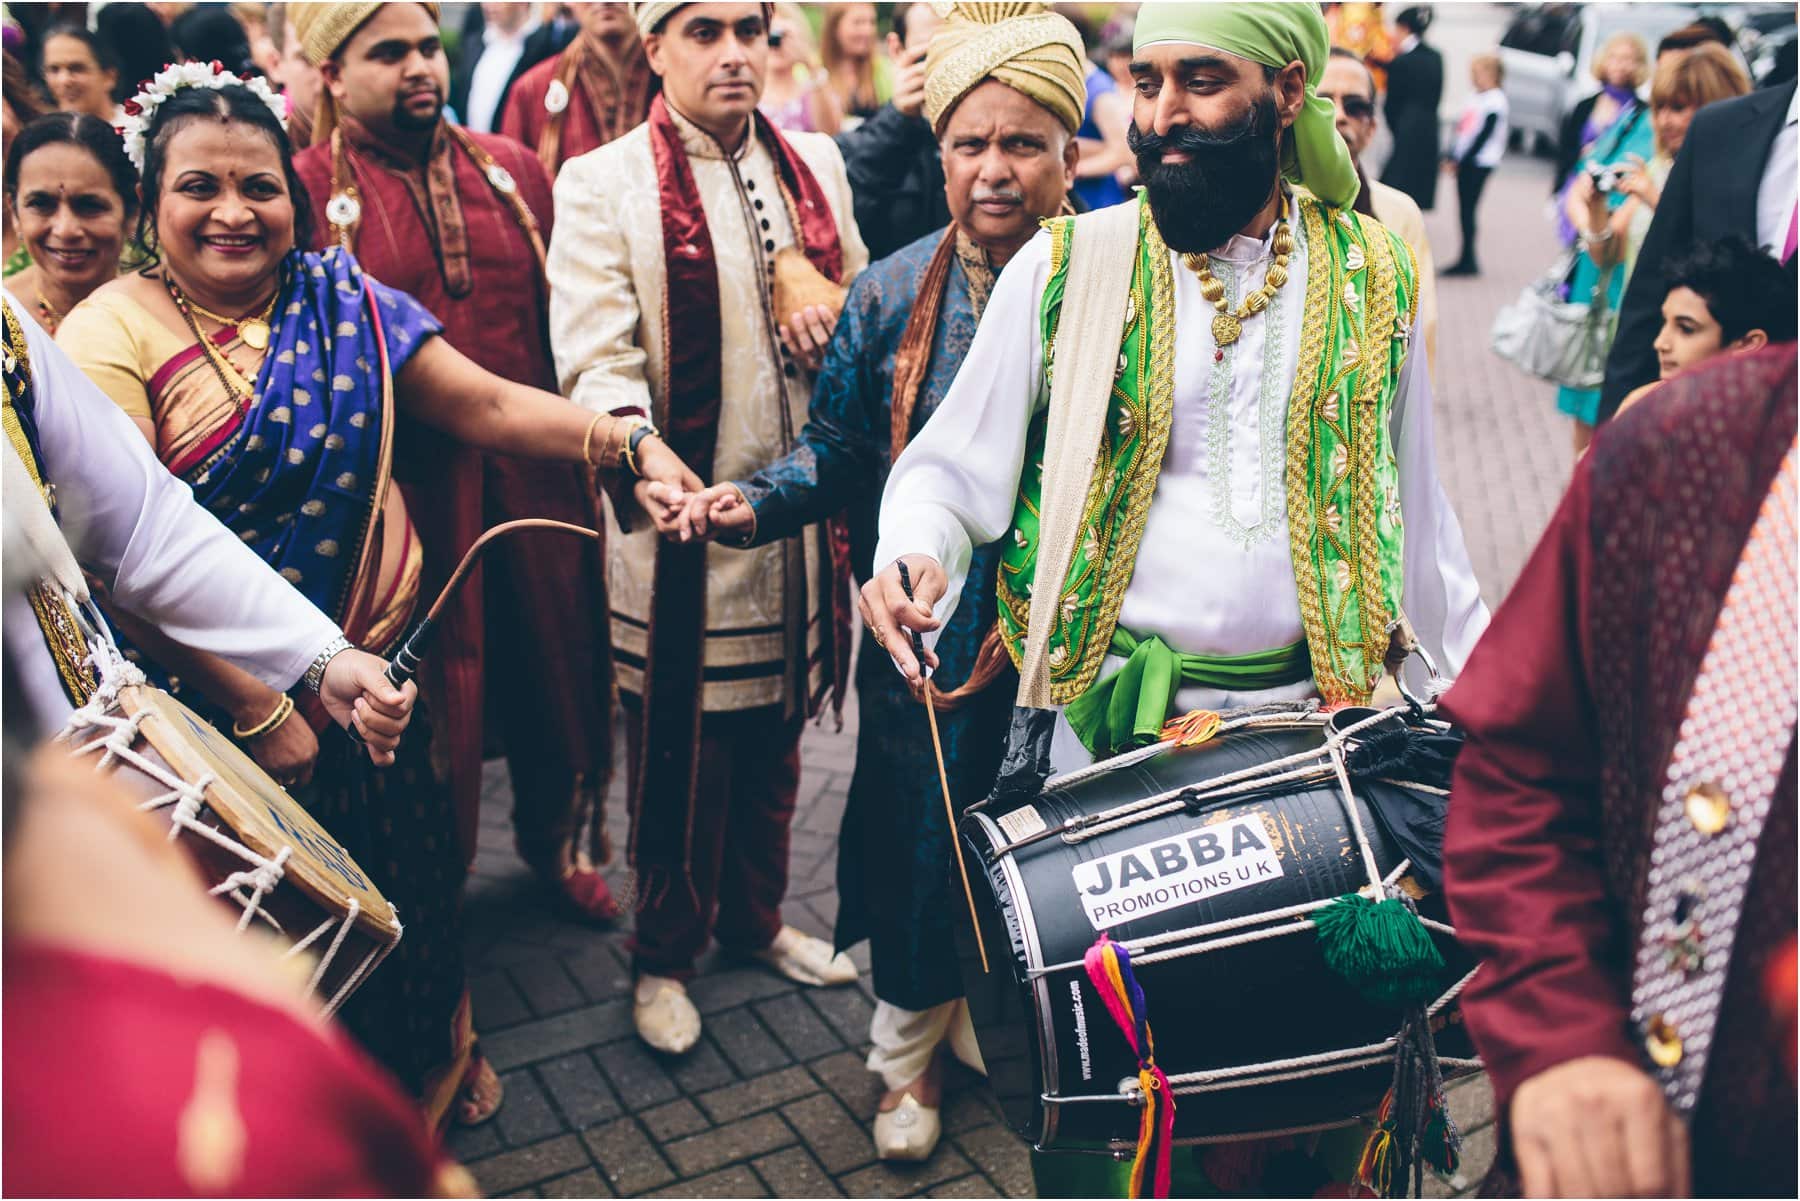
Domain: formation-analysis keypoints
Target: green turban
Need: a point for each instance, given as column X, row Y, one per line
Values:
column 1273, row 34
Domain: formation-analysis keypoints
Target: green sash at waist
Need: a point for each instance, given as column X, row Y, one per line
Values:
column 1128, row 708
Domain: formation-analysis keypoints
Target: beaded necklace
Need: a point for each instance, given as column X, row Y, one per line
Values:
column 1228, row 326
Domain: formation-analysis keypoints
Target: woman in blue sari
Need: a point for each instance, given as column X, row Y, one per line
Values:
column 274, row 382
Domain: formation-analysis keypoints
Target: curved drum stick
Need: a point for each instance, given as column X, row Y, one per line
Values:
column 405, row 663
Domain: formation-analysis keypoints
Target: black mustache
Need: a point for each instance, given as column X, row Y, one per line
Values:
column 1186, row 139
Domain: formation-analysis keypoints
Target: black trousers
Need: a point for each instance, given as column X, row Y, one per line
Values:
column 1470, row 180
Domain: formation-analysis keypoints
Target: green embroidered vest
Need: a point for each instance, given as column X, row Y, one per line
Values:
column 1342, row 483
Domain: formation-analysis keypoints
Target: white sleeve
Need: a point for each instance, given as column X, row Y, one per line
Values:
column 162, row 556
column 1441, row 596
column 955, row 484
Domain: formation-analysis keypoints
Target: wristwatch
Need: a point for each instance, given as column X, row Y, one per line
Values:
column 628, row 450
column 315, row 674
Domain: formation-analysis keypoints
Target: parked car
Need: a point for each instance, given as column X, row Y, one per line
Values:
column 1766, row 35
column 1548, row 51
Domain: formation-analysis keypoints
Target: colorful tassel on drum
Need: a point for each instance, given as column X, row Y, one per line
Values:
column 1109, row 970
column 1375, row 1170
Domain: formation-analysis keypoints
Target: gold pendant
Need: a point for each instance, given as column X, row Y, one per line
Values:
column 1226, row 329
column 255, row 334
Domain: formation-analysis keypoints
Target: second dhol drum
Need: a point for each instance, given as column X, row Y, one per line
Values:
column 1207, row 863
column 253, row 842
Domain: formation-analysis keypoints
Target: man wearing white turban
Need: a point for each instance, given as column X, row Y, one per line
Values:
column 695, row 269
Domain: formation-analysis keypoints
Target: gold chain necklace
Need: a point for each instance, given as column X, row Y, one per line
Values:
column 241, row 390
column 1229, row 326
column 253, row 328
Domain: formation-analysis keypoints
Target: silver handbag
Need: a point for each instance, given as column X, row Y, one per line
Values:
column 1563, row 341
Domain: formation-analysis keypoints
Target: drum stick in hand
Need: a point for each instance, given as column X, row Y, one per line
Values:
column 405, row 663
column 937, row 749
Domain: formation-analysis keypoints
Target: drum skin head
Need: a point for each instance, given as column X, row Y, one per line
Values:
column 260, row 813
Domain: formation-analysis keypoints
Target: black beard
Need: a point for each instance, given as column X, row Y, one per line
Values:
column 1200, row 204
column 408, row 122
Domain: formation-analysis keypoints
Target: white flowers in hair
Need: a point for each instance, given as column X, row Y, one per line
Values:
column 140, row 110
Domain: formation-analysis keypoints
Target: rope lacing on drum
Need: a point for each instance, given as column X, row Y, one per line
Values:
column 1301, row 767
column 118, row 745
column 1377, row 910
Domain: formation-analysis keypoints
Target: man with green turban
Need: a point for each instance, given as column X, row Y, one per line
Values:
column 1194, row 427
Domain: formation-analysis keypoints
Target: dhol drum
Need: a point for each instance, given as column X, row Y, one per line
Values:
column 1204, row 862
column 254, row 844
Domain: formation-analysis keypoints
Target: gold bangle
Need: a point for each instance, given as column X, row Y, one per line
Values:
column 627, row 428
column 587, row 440
column 284, row 709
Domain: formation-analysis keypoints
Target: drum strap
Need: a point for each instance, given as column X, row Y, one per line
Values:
column 1101, row 261
column 1716, row 796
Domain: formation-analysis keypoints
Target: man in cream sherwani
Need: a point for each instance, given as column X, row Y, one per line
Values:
column 675, row 249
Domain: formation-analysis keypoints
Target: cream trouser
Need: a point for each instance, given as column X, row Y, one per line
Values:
column 905, row 1040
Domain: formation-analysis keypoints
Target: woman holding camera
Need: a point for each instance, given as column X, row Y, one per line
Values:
column 1681, row 87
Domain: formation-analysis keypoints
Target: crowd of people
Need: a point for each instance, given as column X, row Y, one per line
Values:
column 813, row 313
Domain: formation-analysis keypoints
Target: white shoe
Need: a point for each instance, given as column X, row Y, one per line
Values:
column 664, row 1016
column 909, row 1131
column 807, row 960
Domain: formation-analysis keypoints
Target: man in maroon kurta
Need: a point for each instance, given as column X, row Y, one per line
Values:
column 595, row 90
column 1572, row 702
column 459, row 220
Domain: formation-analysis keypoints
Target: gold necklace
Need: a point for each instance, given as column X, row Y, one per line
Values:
column 1229, row 326
column 241, row 390
column 252, row 328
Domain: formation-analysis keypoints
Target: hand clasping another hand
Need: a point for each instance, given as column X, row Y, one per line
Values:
column 716, row 512
column 666, row 484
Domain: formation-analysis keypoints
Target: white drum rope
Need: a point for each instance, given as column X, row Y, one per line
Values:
column 1287, row 768
column 264, row 874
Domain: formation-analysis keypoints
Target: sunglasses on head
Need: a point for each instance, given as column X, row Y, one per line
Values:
column 1356, row 107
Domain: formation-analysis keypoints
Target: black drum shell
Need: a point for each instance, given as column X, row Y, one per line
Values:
column 1260, row 1001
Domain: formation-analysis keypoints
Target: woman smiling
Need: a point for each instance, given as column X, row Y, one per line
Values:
column 273, row 381
column 70, row 193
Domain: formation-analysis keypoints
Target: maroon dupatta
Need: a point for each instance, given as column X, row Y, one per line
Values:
column 676, row 652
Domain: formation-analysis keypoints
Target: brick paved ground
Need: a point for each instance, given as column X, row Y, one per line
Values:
column 774, row 1100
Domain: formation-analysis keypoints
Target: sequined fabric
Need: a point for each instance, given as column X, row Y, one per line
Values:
column 1686, row 482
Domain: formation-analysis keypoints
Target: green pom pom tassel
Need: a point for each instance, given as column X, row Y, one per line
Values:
column 1381, row 947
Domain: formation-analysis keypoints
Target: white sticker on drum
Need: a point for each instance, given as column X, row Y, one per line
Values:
column 1169, row 872
column 1022, row 822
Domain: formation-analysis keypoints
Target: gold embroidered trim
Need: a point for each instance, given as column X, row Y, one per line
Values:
column 1378, row 315
column 1156, row 368
column 1302, row 526
column 56, row 617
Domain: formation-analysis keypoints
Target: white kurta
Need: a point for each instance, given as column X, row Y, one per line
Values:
column 1213, row 574
column 161, row 555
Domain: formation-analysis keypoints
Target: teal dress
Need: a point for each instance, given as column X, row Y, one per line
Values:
column 1630, row 135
